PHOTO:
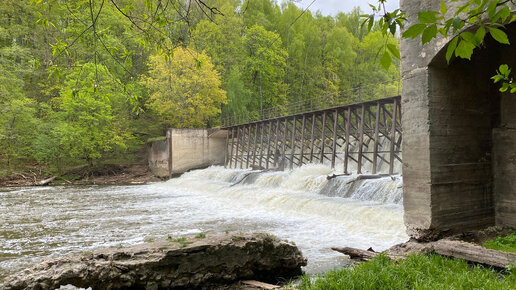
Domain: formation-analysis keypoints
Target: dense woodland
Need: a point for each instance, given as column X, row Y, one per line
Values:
column 89, row 82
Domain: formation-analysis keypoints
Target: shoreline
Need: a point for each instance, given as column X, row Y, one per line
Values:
column 112, row 174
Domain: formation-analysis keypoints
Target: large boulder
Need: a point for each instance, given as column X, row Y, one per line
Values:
column 190, row 263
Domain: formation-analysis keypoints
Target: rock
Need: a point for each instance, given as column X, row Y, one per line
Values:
column 184, row 263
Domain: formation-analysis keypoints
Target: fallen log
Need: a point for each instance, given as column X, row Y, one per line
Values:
column 473, row 253
column 451, row 248
column 46, row 181
column 357, row 254
column 260, row 285
column 336, row 175
column 363, row 177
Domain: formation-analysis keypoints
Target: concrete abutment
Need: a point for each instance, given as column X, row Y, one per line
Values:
column 459, row 142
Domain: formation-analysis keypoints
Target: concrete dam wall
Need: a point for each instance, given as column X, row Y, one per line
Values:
column 185, row 149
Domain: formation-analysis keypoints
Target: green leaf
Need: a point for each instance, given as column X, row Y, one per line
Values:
column 457, row 23
column 429, row 33
column 504, row 88
column 394, row 50
column 443, row 8
column 480, row 34
column 497, row 78
column 468, row 36
column 499, row 35
column 414, row 30
column 513, row 18
column 491, row 9
column 451, row 48
column 464, row 49
column 513, row 90
column 386, row 61
column 504, row 70
column 427, row 16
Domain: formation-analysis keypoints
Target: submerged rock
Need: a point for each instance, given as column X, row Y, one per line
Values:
column 167, row 264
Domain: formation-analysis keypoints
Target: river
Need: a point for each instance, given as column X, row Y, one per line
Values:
column 300, row 206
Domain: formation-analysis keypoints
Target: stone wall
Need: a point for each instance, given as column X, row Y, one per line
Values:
column 186, row 149
column 449, row 113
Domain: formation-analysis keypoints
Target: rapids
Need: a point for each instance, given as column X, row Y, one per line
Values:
column 300, row 206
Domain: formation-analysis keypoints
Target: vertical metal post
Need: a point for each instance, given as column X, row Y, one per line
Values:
column 334, row 146
column 254, row 144
column 284, row 144
column 302, row 141
column 393, row 136
column 248, row 149
column 238, row 144
column 276, row 143
column 376, row 136
column 312, row 138
column 261, row 145
column 346, row 150
column 361, row 140
column 293, row 144
column 268, row 145
column 323, row 136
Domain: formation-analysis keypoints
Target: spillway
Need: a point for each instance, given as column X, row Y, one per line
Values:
column 302, row 206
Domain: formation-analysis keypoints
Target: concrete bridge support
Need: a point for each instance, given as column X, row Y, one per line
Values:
column 459, row 138
column 186, row 149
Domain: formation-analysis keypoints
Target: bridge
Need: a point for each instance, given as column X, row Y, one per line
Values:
column 361, row 137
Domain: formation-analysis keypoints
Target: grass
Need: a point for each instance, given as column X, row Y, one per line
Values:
column 415, row 272
column 182, row 241
column 200, row 236
column 503, row 243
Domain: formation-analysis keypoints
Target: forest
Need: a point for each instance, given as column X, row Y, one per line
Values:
column 90, row 82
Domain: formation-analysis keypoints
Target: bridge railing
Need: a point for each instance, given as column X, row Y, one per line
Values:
column 354, row 95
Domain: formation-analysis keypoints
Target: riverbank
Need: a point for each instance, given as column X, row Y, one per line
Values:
column 109, row 174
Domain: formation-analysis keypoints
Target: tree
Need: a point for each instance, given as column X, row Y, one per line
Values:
column 264, row 68
column 183, row 92
column 83, row 124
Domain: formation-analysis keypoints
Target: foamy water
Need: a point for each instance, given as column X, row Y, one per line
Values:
column 301, row 206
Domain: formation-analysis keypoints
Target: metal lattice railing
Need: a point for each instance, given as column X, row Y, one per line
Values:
column 358, row 94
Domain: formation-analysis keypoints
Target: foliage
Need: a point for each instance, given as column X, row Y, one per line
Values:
column 503, row 243
column 88, row 81
column 487, row 17
column 183, row 92
column 414, row 272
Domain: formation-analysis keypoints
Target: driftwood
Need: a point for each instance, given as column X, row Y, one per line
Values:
column 260, row 285
column 362, row 177
column 446, row 247
column 46, row 181
column 474, row 253
column 336, row 175
column 357, row 254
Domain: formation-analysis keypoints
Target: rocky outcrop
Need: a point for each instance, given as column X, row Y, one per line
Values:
column 174, row 263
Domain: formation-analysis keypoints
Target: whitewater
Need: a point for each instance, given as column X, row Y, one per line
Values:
column 301, row 206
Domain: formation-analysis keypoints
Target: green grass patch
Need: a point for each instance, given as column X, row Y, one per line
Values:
column 200, row 236
column 503, row 243
column 414, row 272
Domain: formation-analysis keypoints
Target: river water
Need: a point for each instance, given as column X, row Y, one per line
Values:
column 300, row 206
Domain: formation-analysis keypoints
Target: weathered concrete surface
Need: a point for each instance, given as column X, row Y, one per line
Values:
column 504, row 156
column 158, row 157
column 186, row 149
column 449, row 112
column 193, row 148
column 203, row 264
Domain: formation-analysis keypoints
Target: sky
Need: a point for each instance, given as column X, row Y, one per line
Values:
column 332, row 7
